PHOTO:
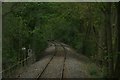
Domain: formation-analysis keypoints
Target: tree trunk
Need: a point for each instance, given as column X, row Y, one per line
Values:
column 108, row 40
column 110, row 53
column 88, row 29
column 117, row 68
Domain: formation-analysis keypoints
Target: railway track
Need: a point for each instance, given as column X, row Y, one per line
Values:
column 58, row 61
column 45, row 71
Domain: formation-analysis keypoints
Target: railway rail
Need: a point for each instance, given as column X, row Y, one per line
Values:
column 56, row 44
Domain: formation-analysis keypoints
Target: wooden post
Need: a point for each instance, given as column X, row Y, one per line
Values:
column 23, row 54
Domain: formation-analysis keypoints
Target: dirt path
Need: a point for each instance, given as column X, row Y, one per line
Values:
column 73, row 66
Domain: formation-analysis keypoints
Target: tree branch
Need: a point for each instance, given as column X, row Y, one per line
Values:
column 11, row 10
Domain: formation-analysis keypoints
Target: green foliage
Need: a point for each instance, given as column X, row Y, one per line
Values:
column 95, row 71
column 35, row 23
column 15, row 36
column 39, row 41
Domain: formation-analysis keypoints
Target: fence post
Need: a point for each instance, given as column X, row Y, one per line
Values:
column 23, row 54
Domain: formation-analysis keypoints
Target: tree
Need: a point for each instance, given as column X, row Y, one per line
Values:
column 117, row 67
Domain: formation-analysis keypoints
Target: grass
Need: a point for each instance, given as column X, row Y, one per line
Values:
column 92, row 70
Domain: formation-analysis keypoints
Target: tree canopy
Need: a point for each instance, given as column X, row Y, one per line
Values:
column 90, row 28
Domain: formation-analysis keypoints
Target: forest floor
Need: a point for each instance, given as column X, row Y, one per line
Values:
column 59, row 62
